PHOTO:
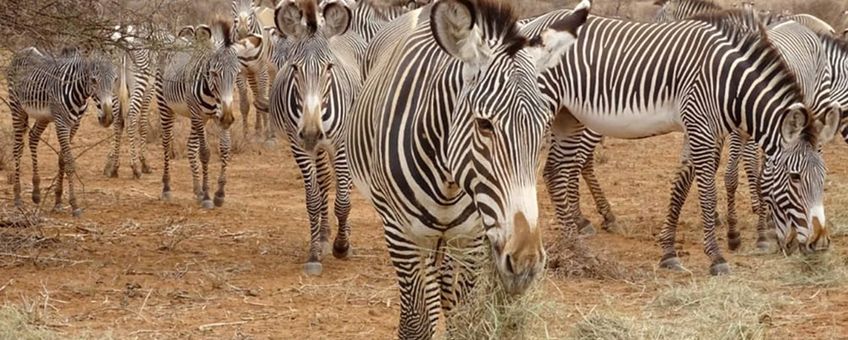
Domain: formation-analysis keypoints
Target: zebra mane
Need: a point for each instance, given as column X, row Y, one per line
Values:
column 499, row 20
column 745, row 30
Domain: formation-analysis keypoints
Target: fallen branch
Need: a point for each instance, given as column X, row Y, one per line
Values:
column 56, row 259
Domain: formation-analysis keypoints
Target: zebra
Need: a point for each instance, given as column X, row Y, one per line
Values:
column 309, row 101
column 135, row 88
column 661, row 68
column 197, row 83
column 56, row 89
column 801, row 42
column 368, row 18
column 444, row 141
column 255, row 67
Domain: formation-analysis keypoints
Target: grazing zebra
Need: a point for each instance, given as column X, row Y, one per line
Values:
column 664, row 86
column 445, row 140
column 310, row 101
column 56, row 89
column 197, row 83
column 801, row 43
column 255, row 67
column 135, row 75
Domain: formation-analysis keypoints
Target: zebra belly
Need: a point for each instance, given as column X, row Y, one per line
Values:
column 39, row 113
column 632, row 124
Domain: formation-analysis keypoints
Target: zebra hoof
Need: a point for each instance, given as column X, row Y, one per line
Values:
column 145, row 168
column 763, row 246
column 136, row 172
column 219, row 201
column 341, row 251
column 207, row 204
column 720, row 269
column 167, row 196
column 77, row 212
column 611, row 226
column 313, row 268
column 36, row 197
column 734, row 240
column 673, row 264
column 57, row 208
column 19, row 203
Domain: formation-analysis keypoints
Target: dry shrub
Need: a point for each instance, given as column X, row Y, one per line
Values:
column 17, row 324
column 570, row 257
column 603, row 326
column 6, row 141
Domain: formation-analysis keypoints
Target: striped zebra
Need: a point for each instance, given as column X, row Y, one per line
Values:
column 135, row 91
column 197, row 83
column 801, row 43
column 444, row 141
column 368, row 17
column 310, row 100
column 634, row 80
column 255, row 67
column 56, row 89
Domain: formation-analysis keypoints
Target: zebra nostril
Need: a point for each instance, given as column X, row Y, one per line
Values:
column 509, row 265
column 321, row 135
column 300, row 135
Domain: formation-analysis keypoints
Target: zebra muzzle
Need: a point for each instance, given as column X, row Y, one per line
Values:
column 106, row 114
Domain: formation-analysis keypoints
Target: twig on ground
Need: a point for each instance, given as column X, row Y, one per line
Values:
column 48, row 258
column 209, row 326
column 145, row 301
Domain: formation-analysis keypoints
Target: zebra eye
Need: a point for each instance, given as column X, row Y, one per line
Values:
column 794, row 177
column 485, row 126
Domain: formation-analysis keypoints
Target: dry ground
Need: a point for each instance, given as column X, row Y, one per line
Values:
column 136, row 267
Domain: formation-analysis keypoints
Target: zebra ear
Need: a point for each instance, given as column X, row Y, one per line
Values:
column 187, row 32
column 453, row 25
column 289, row 19
column 550, row 45
column 202, row 33
column 336, row 19
column 794, row 123
column 827, row 129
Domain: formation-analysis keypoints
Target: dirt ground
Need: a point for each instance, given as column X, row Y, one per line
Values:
column 136, row 267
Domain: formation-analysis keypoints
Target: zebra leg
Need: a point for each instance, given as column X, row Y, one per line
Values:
column 324, row 179
column 259, row 86
column 134, row 124
column 57, row 206
column 143, row 126
column 751, row 157
column 707, row 155
column 193, row 150
column 244, row 102
column 307, row 166
column 19, row 123
column 457, row 278
column 598, row 196
column 420, row 298
column 206, row 201
column 731, row 183
column 556, row 180
column 166, row 118
column 341, row 245
column 224, row 150
column 65, row 133
column 34, row 137
column 113, row 159
column 584, row 225
column 679, row 190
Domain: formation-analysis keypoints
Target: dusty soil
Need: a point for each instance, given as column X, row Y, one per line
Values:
column 136, row 267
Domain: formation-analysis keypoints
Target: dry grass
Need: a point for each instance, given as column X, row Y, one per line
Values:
column 18, row 324
column 721, row 308
column 568, row 257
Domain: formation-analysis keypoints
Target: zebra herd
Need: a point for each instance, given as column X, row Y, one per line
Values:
column 438, row 113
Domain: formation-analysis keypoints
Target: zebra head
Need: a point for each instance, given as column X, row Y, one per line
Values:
column 310, row 77
column 793, row 181
column 222, row 66
column 244, row 18
column 500, row 121
column 101, row 74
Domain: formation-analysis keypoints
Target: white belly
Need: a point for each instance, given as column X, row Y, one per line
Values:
column 632, row 124
column 41, row 114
